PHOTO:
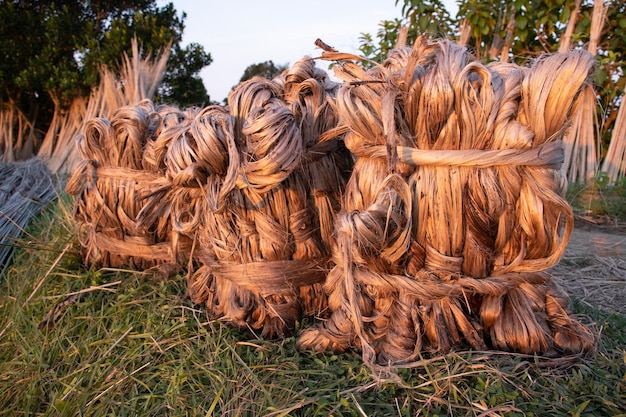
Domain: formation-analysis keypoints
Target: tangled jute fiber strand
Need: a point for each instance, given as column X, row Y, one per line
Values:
column 454, row 208
column 244, row 195
column 265, row 234
column 110, row 185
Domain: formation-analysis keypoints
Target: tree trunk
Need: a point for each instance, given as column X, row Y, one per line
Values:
column 6, row 131
column 496, row 46
column 17, row 133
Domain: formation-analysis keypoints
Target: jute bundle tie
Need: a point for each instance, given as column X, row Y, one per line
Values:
column 266, row 215
column 272, row 278
column 454, row 207
column 548, row 155
column 112, row 185
column 138, row 246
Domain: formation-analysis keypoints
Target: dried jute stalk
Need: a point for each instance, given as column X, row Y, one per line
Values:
column 454, row 206
column 110, row 188
column 271, row 170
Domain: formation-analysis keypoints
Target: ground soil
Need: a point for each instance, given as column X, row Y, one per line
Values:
column 593, row 269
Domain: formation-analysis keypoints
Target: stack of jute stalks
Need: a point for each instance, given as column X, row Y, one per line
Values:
column 454, row 209
column 267, row 228
column 245, row 195
column 117, row 173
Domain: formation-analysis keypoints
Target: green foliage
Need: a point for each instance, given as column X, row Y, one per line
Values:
column 537, row 26
column 599, row 198
column 386, row 39
column 421, row 17
column 52, row 52
column 126, row 343
column 181, row 84
column 431, row 16
column 265, row 69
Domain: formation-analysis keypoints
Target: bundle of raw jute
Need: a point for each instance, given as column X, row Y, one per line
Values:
column 454, row 207
column 112, row 185
column 248, row 192
column 26, row 187
column 272, row 168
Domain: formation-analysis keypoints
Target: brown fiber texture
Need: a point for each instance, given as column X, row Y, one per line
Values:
column 244, row 195
column 266, row 227
column 111, row 186
column 454, row 208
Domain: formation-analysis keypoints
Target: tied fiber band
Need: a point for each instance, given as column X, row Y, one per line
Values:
column 264, row 218
column 548, row 155
column 144, row 180
column 272, row 278
column 138, row 246
column 466, row 158
column 247, row 193
column 111, row 186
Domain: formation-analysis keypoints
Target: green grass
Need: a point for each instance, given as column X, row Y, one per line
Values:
column 128, row 344
column 599, row 198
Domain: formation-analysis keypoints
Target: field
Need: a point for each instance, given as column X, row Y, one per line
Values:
column 113, row 342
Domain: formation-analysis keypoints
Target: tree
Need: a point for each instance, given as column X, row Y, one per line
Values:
column 53, row 52
column 419, row 17
column 181, row 84
column 265, row 69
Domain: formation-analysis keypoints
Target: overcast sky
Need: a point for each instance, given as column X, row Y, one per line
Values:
column 239, row 33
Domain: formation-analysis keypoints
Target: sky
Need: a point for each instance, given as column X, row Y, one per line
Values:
column 239, row 33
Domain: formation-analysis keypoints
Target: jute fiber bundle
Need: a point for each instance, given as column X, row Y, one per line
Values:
column 26, row 187
column 112, row 184
column 454, row 206
column 265, row 230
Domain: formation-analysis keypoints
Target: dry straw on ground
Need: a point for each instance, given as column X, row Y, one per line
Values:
column 593, row 268
column 454, row 207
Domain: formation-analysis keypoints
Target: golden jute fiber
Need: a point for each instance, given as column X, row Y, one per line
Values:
column 454, row 207
column 111, row 186
column 244, row 195
column 266, row 227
